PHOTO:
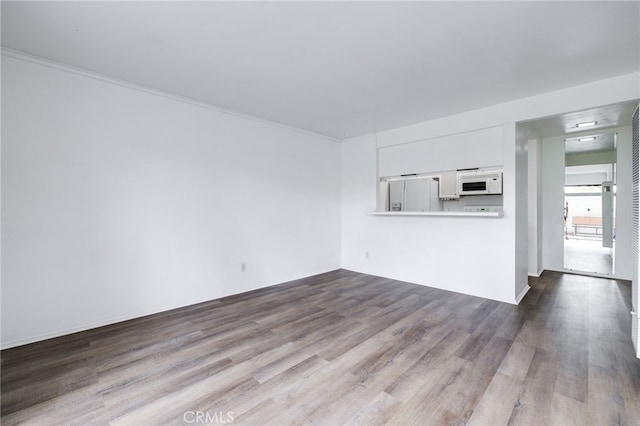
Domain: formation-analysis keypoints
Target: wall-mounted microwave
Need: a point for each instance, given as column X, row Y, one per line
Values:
column 480, row 182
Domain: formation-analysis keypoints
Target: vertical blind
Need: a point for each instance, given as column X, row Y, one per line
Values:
column 635, row 151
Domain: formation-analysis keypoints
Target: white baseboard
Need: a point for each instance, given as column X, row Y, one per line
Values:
column 85, row 327
column 522, row 294
column 144, row 313
column 536, row 274
column 635, row 332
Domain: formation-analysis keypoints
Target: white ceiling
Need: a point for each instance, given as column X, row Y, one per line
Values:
column 606, row 116
column 336, row 68
column 601, row 142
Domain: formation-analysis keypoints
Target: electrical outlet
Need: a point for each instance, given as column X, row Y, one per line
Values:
column 243, row 267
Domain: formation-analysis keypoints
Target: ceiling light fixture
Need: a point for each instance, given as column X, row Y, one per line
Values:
column 586, row 124
column 589, row 139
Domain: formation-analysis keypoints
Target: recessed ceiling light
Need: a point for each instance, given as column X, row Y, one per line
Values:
column 589, row 139
column 586, row 124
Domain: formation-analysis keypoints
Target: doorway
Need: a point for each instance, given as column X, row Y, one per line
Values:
column 570, row 156
column 589, row 204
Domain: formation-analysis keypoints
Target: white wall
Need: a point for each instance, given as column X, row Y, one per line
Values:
column 623, row 261
column 443, row 252
column 534, row 235
column 584, row 206
column 553, row 203
column 429, row 250
column 522, row 213
column 479, row 148
column 584, row 158
column 586, row 178
column 118, row 203
column 517, row 158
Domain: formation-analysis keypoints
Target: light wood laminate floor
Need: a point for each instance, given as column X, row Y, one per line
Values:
column 587, row 256
column 344, row 348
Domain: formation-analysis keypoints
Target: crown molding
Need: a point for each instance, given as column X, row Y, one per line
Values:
column 20, row 55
